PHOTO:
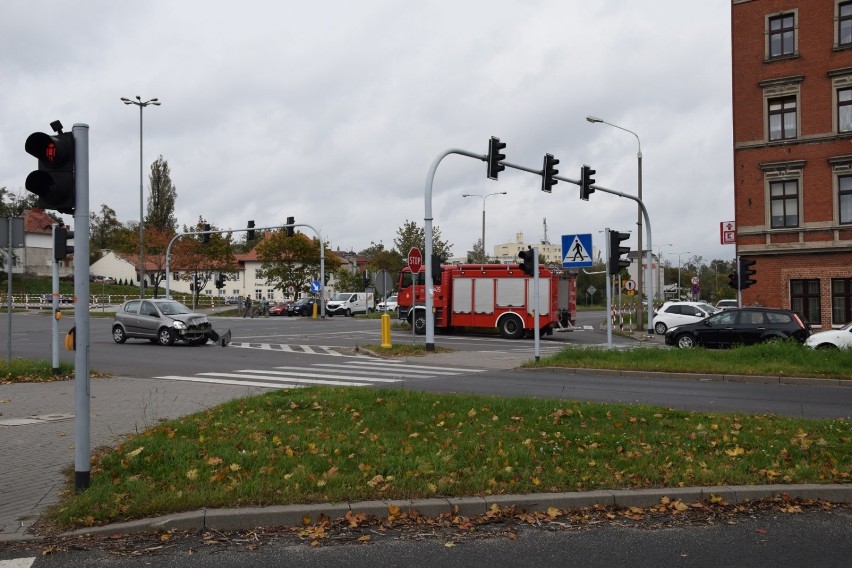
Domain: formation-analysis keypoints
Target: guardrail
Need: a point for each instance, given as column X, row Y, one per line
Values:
column 45, row 301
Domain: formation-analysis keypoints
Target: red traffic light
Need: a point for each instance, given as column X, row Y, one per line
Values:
column 53, row 182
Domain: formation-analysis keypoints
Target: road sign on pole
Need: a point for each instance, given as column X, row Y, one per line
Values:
column 415, row 260
column 576, row 251
column 728, row 232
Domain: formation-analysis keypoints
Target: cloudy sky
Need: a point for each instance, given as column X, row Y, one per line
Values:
column 332, row 112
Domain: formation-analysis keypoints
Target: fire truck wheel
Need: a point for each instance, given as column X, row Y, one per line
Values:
column 511, row 327
column 420, row 323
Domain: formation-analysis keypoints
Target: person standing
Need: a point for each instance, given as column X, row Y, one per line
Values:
column 247, row 305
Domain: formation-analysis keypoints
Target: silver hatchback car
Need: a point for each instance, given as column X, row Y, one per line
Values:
column 161, row 321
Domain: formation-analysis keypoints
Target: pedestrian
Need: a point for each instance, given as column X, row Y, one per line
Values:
column 247, row 305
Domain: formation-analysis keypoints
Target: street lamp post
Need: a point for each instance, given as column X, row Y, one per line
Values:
column 484, row 197
column 679, row 254
column 593, row 120
column 141, row 104
column 661, row 278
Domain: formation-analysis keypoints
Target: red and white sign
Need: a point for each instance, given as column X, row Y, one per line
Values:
column 415, row 260
column 728, row 232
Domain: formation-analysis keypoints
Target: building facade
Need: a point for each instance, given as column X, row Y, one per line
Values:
column 792, row 127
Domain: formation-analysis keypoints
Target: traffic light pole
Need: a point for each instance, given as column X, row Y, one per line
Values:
column 430, row 179
column 82, row 391
column 54, row 302
column 288, row 226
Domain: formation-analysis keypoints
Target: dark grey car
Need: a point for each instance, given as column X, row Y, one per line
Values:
column 740, row 326
column 160, row 321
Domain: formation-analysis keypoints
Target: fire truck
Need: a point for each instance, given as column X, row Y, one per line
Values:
column 489, row 296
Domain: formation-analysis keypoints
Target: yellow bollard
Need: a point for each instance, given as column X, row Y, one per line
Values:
column 316, row 309
column 386, row 343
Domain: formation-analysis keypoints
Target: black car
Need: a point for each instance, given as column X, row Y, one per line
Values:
column 740, row 326
column 302, row 307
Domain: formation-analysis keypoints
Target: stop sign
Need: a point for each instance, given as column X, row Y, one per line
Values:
column 415, row 260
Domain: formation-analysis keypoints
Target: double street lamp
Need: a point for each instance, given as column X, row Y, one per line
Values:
column 484, row 197
column 593, row 120
column 141, row 104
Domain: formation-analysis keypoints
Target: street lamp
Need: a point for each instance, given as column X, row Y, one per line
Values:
column 661, row 275
column 593, row 120
column 679, row 254
column 141, row 104
column 484, row 197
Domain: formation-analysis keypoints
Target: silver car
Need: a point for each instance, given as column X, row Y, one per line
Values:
column 161, row 321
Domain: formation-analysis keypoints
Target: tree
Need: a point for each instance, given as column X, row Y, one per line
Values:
column 477, row 255
column 199, row 261
column 14, row 204
column 410, row 235
column 161, row 198
column 292, row 261
column 348, row 281
column 103, row 230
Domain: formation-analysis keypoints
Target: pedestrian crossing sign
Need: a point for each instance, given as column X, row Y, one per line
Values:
column 576, row 251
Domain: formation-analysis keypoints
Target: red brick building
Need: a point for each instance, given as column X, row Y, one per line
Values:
column 792, row 109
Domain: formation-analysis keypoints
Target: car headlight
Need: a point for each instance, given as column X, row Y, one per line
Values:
column 179, row 325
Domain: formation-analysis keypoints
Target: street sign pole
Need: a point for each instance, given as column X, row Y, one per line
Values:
column 82, row 467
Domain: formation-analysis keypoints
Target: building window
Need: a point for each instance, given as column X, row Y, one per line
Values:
column 784, row 203
column 782, row 35
column 841, row 300
column 844, row 24
column 804, row 299
column 782, row 118
column 844, row 110
column 844, row 198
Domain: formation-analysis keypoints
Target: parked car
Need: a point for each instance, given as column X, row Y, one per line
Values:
column 674, row 313
column 161, row 321
column 232, row 300
column 740, row 326
column 280, row 309
column 832, row 338
column 726, row 304
column 389, row 305
column 302, row 307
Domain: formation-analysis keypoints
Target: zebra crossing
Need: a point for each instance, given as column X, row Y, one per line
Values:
column 352, row 372
column 304, row 349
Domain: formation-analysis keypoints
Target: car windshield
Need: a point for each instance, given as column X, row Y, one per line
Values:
column 707, row 308
column 173, row 308
column 392, row 299
column 340, row 297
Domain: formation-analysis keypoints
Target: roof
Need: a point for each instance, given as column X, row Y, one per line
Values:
column 38, row 221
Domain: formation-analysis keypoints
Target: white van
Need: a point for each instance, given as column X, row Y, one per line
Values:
column 349, row 303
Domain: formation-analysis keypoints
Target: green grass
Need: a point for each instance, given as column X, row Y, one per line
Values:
column 28, row 371
column 350, row 444
column 779, row 359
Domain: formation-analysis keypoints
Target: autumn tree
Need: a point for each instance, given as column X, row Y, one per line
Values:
column 410, row 235
column 292, row 261
column 161, row 198
column 198, row 261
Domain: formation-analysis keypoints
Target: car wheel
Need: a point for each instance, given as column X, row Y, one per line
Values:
column 165, row 336
column 660, row 328
column 348, row 313
column 511, row 327
column 420, row 323
column 118, row 334
column 826, row 346
column 685, row 341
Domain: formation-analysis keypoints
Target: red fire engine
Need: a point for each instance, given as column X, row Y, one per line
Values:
column 488, row 296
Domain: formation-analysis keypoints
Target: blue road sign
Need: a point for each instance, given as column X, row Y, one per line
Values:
column 315, row 287
column 576, row 251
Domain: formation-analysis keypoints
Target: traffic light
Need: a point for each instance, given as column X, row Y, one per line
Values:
column 290, row 229
column 734, row 281
column 61, row 248
column 527, row 264
column 548, row 173
column 616, row 263
column 53, row 182
column 250, row 232
column 220, row 281
column 495, row 157
column 746, row 273
column 586, row 182
column 205, row 238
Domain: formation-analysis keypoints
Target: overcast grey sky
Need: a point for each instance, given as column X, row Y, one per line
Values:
column 332, row 112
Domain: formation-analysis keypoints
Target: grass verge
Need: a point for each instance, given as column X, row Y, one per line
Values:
column 778, row 359
column 29, row 371
column 350, row 444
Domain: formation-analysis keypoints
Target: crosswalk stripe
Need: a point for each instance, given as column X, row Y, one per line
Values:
column 268, row 385
column 306, row 349
column 304, row 379
column 409, row 367
column 300, row 373
column 415, row 370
